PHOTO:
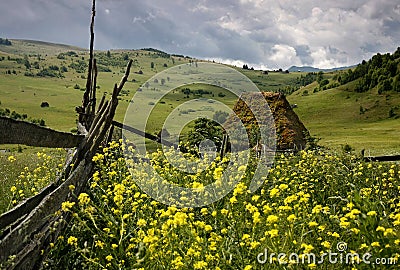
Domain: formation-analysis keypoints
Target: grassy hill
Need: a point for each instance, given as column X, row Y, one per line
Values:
column 33, row 71
column 350, row 111
column 57, row 75
column 336, row 117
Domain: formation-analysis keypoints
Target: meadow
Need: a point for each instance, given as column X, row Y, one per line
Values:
column 361, row 119
column 310, row 203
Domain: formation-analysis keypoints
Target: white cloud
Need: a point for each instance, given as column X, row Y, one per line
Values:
column 284, row 55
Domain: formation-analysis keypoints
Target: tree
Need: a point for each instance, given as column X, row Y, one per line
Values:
column 205, row 129
column 26, row 62
column 220, row 116
column 384, row 86
column 108, row 54
column 186, row 91
column 396, row 84
column 152, row 65
column 5, row 42
column 126, row 57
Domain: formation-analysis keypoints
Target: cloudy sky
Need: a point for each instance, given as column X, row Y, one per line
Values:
column 263, row 33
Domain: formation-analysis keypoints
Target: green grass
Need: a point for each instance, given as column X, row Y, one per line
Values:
column 25, row 94
column 271, row 82
column 21, row 47
column 334, row 116
column 27, row 171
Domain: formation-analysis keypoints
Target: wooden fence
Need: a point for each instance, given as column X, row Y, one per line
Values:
column 27, row 229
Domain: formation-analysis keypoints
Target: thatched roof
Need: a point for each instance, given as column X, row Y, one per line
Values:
column 290, row 131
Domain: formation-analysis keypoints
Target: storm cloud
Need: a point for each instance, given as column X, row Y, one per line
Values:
column 263, row 33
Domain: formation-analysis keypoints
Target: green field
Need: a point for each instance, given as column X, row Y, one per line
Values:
column 333, row 115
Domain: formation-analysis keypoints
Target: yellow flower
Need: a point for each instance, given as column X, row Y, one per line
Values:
column 272, row 219
column 13, row 189
column 239, row 189
column 380, row 229
column 375, row 244
column 98, row 157
column 218, row 173
column 283, row 186
column 233, row 200
column 254, row 244
column 326, row 244
column 335, row 234
column 109, row 258
column 66, row 206
column 72, row 240
column 224, row 211
column 180, row 218
column 248, row 267
column 317, row 209
column 204, row 211
column 118, row 199
column 141, row 222
column 274, row 192
column 99, row 244
column 83, row 198
column 11, row 158
column 177, row 262
column 256, row 217
column 291, row 217
column 307, row 248
column 114, row 246
column 200, row 265
column 245, row 236
column 272, row 233
column 389, row 231
column 312, row 224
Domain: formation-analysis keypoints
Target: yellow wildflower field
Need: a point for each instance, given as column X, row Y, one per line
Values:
column 311, row 205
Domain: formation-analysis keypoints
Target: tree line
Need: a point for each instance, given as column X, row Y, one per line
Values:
column 5, row 42
column 381, row 71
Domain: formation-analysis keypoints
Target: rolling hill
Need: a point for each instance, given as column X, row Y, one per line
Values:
column 329, row 103
column 341, row 109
